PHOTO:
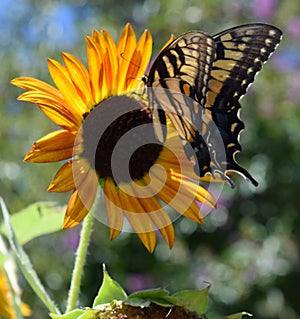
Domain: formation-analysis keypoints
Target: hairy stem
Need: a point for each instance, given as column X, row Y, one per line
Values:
column 79, row 262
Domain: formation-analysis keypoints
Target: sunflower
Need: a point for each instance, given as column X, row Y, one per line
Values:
column 6, row 304
column 98, row 107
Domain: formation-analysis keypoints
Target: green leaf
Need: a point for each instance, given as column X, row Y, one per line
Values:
column 35, row 220
column 25, row 264
column 239, row 315
column 110, row 290
column 138, row 302
column 144, row 298
column 193, row 300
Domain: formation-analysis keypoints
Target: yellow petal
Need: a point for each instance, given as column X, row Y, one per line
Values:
column 176, row 198
column 55, row 112
column 25, row 309
column 63, row 82
column 201, row 194
column 181, row 171
column 32, row 84
column 144, row 48
column 171, row 163
column 63, row 180
column 174, row 153
column 193, row 212
column 85, row 180
column 108, row 51
column 80, row 77
column 6, row 304
column 76, row 211
column 125, row 49
column 96, row 71
column 139, row 61
column 111, row 61
column 127, row 40
column 113, row 205
column 138, row 217
column 82, row 199
column 53, row 147
column 50, row 100
column 157, row 214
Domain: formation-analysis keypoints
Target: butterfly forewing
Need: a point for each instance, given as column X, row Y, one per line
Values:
column 183, row 66
column 240, row 54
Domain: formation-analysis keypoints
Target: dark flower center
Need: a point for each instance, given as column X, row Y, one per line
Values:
column 119, row 139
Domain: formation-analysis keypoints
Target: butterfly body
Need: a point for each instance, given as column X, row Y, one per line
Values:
column 201, row 79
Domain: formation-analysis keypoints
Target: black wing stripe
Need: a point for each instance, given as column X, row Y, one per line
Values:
column 215, row 72
column 240, row 55
column 183, row 66
column 189, row 57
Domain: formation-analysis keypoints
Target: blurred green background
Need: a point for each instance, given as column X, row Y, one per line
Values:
column 249, row 247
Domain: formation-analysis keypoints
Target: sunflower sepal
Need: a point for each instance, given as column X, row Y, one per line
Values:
column 109, row 290
column 101, row 182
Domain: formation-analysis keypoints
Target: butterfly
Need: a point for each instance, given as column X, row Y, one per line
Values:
column 197, row 81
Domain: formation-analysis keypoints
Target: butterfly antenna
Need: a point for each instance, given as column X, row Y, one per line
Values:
column 122, row 55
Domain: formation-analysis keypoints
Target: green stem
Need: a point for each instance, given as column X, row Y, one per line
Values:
column 80, row 261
